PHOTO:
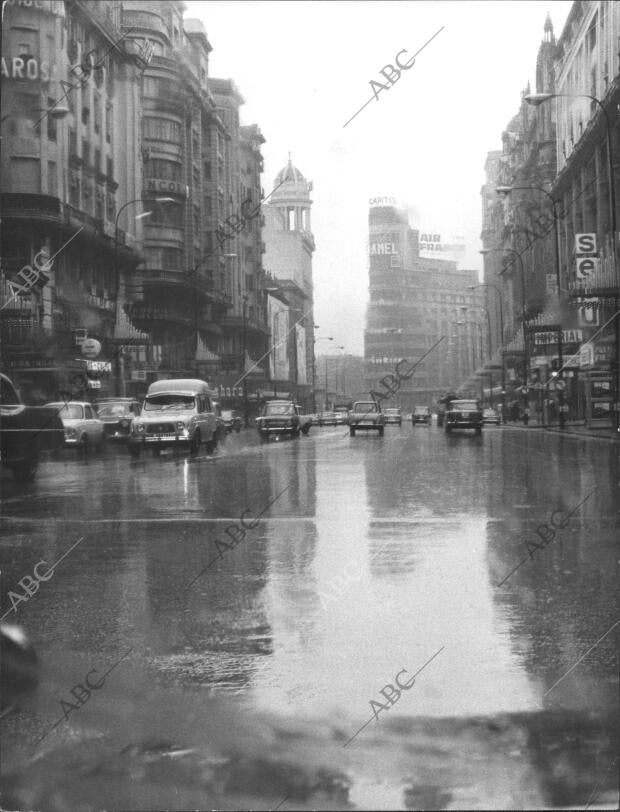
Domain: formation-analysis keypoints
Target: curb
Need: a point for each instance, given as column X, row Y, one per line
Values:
column 588, row 435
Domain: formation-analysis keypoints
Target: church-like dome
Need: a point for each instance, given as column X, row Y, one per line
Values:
column 290, row 174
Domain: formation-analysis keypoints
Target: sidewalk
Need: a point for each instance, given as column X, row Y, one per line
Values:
column 571, row 429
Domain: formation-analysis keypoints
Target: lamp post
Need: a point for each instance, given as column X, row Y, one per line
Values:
column 340, row 347
column 119, row 365
column 479, row 326
column 501, row 328
column 537, row 99
column 320, row 338
column 556, row 228
column 523, row 319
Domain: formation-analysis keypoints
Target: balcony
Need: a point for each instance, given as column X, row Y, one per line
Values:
column 145, row 21
column 143, row 315
column 31, row 207
column 179, row 279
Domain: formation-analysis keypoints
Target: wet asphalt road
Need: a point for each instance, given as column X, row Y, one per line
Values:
column 250, row 669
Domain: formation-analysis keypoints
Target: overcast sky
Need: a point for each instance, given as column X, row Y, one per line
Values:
column 304, row 68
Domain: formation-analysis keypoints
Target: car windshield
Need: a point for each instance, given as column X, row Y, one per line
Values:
column 70, row 411
column 167, row 403
column 392, row 411
column 465, row 405
column 366, row 406
column 279, row 408
column 227, row 415
column 421, row 409
column 113, row 409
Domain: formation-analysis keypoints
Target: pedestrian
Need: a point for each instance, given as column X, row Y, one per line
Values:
column 514, row 412
column 526, row 415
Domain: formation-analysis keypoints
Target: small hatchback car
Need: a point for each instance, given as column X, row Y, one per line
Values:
column 393, row 416
column 463, row 414
column 117, row 415
column 366, row 415
column 421, row 414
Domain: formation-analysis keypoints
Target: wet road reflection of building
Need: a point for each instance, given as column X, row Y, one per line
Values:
column 561, row 601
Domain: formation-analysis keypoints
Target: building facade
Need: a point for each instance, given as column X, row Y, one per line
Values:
column 289, row 245
column 70, row 160
column 550, row 234
column 414, row 303
column 140, row 171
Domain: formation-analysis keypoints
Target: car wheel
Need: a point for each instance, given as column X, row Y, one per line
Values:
column 351, row 432
column 25, row 470
column 194, row 446
column 82, row 448
column 305, row 430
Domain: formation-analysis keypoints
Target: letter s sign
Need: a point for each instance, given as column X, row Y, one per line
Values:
column 585, row 244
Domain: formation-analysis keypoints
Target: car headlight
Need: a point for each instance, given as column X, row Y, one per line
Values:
column 124, row 423
column 70, row 432
column 180, row 425
column 139, row 428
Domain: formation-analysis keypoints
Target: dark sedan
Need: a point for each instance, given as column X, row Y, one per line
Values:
column 117, row 415
column 232, row 420
column 463, row 414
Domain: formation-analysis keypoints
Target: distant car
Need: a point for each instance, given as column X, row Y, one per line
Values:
column 366, row 415
column 393, row 416
column 328, row 419
column 342, row 417
column 278, row 417
column 232, row 420
column 463, row 414
column 490, row 416
column 25, row 432
column 83, row 428
column 117, row 415
column 421, row 414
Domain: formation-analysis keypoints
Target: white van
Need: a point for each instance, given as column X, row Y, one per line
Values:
column 176, row 413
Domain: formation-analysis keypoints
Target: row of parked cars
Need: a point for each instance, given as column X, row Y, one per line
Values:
column 177, row 413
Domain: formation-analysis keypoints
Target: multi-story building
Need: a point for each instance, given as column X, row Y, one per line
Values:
column 198, row 293
column 70, row 162
column 414, row 303
column 557, row 292
column 289, row 244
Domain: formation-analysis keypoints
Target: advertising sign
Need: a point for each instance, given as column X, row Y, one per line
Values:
column 91, row 348
column 585, row 244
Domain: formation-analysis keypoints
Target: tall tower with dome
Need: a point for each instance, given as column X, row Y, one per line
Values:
column 289, row 245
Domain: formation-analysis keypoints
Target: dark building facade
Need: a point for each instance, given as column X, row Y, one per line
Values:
column 414, row 302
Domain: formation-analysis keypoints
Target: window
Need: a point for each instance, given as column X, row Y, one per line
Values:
column 108, row 122
column 166, row 214
column 162, row 129
column 109, row 167
column 52, row 188
column 85, row 115
column 98, row 161
column 52, row 124
column 97, row 113
column 163, row 170
column 207, row 170
column 85, row 152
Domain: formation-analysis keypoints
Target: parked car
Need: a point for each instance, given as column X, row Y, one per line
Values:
column 278, row 417
column 490, row 416
column 176, row 414
column 463, row 414
column 393, row 416
column 25, row 432
column 421, row 414
column 366, row 415
column 82, row 426
column 232, row 420
column 328, row 419
column 117, row 415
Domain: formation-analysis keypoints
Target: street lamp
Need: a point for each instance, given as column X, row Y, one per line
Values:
column 523, row 315
column 479, row 326
column 556, row 228
column 501, row 327
column 119, row 366
column 536, row 99
column 339, row 347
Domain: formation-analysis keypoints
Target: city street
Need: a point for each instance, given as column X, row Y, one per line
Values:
column 241, row 674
